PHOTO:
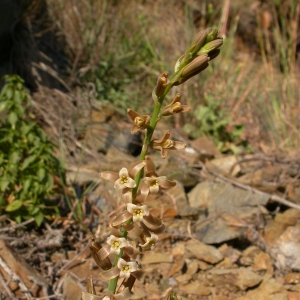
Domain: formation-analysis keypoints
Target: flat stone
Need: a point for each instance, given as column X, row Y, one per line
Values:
column 193, row 288
column 184, row 278
column 204, row 252
column 226, row 206
column 226, row 164
column 268, row 289
column 154, row 258
column 242, row 278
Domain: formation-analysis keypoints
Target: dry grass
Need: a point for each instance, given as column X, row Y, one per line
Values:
column 255, row 76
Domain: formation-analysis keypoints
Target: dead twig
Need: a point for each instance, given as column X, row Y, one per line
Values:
column 16, row 278
column 9, row 228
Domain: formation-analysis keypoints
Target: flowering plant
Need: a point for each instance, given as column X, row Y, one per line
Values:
column 135, row 230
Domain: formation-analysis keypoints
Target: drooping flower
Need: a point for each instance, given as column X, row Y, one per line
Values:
column 140, row 122
column 150, row 242
column 175, row 107
column 138, row 212
column 116, row 244
column 154, row 183
column 126, row 267
column 166, row 143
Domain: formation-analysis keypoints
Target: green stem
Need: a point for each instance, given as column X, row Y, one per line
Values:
column 148, row 136
column 112, row 284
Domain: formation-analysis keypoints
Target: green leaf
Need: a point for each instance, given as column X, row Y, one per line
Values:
column 39, row 218
column 41, row 174
column 9, row 93
column 29, row 160
column 4, row 182
column 15, row 205
column 33, row 210
column 12, row 118
column 2, row 105
column 26, row 186
column 14, row 157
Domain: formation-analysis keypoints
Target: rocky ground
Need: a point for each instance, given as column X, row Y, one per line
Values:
column 232, row 222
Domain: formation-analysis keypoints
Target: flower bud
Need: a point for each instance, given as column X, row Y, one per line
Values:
column 193, row 68
column 210, row 46
column 212, row 34
column 198, row 42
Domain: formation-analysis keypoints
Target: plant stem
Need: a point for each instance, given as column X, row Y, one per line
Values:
column 147, row 139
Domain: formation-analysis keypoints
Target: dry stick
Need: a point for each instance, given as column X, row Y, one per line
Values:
column 8, row 291
column 16, row 278
column 224, row 18
column 5, row 229
column 249, row 188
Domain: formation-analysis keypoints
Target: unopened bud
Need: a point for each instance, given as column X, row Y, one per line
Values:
column 198, row 42
column 194, row 65
column 193, row 68
column 212, row 34
column 210, row 46
column 213, row 54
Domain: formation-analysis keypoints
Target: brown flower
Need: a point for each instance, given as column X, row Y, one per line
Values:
column 140, row 122
column 166, row 143
column 175, row 107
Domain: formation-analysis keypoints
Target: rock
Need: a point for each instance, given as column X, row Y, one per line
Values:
column 205, row 147
column 282, row 220
column 204, row 252
column 248, row 255
column 292, row 278
column 286, row 249
column 172, row 165
column 241, row 278
column 229, row 209
column 184, row 278
column 268, row 289
column 293, row 296
column 197, row 289
column 262, row 261
column 154, row 258
column 226, row 164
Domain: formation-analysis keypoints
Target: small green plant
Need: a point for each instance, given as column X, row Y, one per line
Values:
column 135, row 230
column 215, row 121
column 27, row 163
